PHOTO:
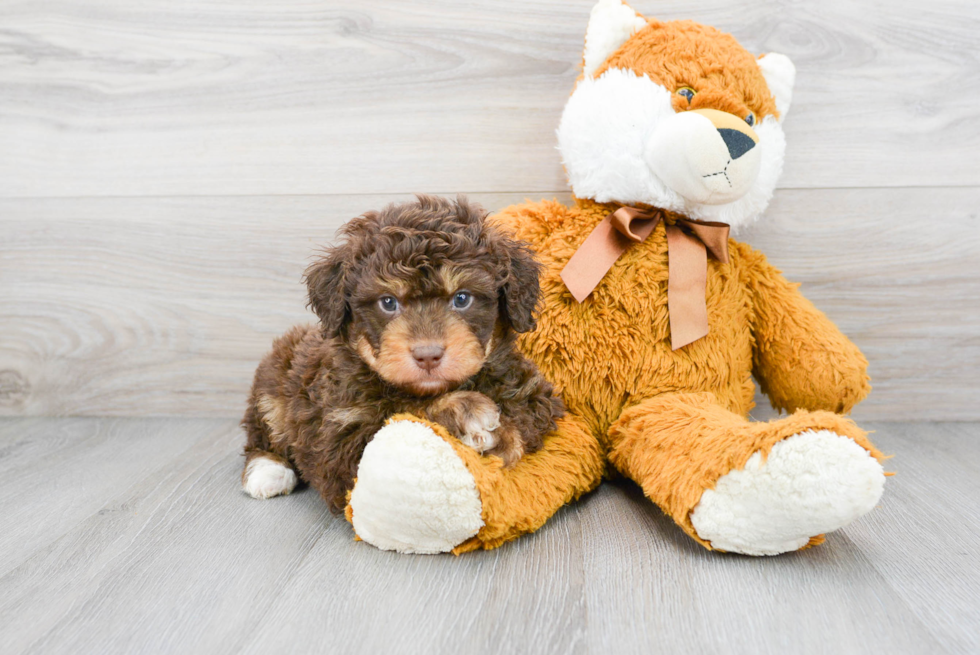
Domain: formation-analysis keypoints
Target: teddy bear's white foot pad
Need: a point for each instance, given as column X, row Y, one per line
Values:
column 413, row 493
column 265, row 478
column 811, row 483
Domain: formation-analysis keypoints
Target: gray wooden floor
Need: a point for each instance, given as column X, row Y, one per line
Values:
column 132, row 535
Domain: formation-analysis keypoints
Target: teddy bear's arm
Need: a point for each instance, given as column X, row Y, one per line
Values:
column 419, row 490
column 801, row 359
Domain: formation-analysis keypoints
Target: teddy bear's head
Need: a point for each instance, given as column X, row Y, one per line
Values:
column 675, row 115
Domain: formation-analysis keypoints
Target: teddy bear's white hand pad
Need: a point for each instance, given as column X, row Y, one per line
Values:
column 413, row 493
column 811, row 483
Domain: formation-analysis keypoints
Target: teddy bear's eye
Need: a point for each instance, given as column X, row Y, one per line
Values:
column 687, row 92
column 750, row 119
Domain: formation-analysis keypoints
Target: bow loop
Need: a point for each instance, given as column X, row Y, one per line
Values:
column 688, row 243
column 713, row 235
column 634, row 224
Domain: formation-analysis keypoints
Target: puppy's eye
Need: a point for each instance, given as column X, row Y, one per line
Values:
column 462, row 300
column 750, row 119
column 388, row 304
column 687, row 92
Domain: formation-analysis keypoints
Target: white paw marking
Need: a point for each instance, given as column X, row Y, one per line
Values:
column 413, row 493
column 811, row 483
column 265, row 478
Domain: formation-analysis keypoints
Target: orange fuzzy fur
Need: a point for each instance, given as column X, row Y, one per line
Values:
column 677, row 445
column 684, row 53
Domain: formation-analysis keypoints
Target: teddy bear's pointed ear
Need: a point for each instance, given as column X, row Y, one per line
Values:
column 780, row 73
column 611, row 24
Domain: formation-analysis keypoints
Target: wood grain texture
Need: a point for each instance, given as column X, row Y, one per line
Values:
column 660, row 592
column 383, row 602
column 935, row 502
column 899, row 271
column 296, row 97
column 163, row 306
column 178, row 559
column 71, row 469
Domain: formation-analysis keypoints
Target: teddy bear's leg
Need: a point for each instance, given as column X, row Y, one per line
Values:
column 419, row 490
column 752, row 488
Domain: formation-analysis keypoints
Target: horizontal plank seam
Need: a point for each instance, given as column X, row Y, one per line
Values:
column 403, row 193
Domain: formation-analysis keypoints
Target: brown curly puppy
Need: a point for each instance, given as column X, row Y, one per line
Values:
column 419, row 308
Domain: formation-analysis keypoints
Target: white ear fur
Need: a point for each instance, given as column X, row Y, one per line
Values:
column 780, row 73
column 611, row 24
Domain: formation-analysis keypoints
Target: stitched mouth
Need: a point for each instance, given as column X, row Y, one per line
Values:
column 724, row 172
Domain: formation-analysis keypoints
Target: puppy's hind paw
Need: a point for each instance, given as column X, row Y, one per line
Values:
column 265, row 477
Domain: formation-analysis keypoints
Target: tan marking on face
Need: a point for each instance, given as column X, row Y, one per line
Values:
column 395, row 286
column 394, row 354
column 451, row 279
column 458, row 278
column 463, row 357
column 366, row 352
column 273, row 411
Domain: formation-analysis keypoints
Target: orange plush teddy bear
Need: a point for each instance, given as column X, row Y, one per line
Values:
column 653, row 324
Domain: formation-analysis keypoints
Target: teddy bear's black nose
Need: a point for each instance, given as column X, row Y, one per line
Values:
column 738, row 143
column 429, row 356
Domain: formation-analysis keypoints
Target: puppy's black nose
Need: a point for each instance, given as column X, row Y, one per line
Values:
column 428, row 357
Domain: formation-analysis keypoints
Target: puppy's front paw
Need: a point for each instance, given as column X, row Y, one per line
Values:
column 469, row 416
column 479, row 432
column 509, row 446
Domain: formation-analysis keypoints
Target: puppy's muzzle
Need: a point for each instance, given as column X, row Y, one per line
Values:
column 428, row 357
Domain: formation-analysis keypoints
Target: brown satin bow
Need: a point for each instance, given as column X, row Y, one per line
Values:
column 687, row 264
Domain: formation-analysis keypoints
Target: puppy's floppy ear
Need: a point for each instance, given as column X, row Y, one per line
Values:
column 325, row 280
column 521, row 291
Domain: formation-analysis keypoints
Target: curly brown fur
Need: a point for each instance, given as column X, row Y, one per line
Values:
column 324, row 391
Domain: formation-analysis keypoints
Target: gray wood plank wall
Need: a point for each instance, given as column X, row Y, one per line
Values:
column 167, row 170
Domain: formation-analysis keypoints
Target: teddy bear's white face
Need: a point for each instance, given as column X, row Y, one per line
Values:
column 622, row 140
